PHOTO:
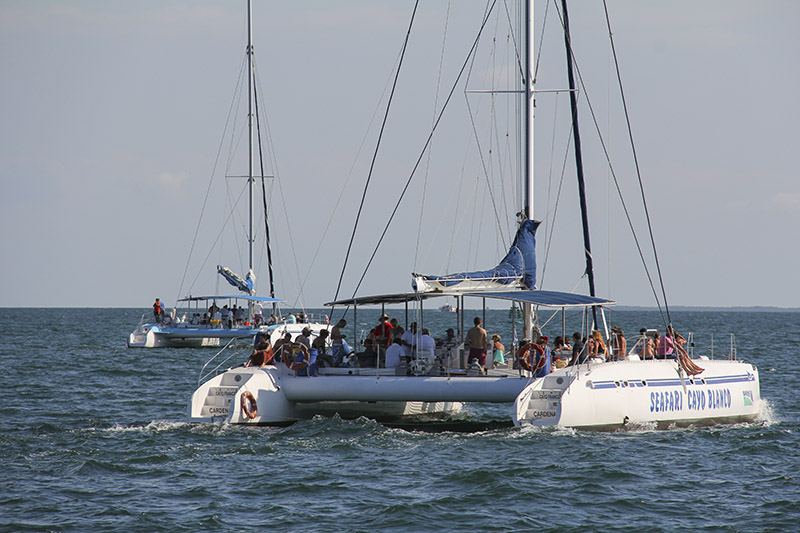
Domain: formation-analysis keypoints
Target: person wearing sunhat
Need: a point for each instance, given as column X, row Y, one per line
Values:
column 383, row 331
column 618, row 343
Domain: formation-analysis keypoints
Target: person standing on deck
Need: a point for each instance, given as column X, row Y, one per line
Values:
column 338, row 342
column 476, row 338
column 158, row 310
column 382, row 335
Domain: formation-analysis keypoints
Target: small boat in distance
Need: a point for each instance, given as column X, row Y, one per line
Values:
column 447, row 308
column 211, row 321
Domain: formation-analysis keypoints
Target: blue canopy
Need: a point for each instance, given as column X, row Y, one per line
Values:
column 228, row 296
column 546, row 298
column 519, row 263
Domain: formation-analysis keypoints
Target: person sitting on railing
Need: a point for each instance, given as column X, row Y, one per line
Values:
column 665, row 349
column 280, row 344
column 262, row 354
column 618, row 344
column 319, row 345
column 680, row 342
column 596, row 345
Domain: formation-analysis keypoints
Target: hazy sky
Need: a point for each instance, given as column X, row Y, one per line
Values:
column 112, row 115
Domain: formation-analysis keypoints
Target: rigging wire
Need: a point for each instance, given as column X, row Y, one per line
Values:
column 613, row 174
column 483, row 164
column 375, row 154
column 427, row 142
column 264, row 198
column 552, row 225
column 208, row 188
column 219, row 235
column 430, row 148
column 636, row 162
column 343, row 188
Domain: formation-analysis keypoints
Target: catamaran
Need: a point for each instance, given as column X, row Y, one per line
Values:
column 597, row 389
column 220, row 319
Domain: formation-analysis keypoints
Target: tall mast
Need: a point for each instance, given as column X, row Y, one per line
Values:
column 250, row 129
column 529, row 105
column 527, row 309
column 573, row 99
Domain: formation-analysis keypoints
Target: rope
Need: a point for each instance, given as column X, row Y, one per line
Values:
column 613, row 173
column 427, row 142
column 375, row 154
column 430, row 150
column 208, row 188
column 636, row 162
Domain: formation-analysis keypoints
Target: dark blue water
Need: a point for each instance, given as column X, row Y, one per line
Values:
column 94, row 437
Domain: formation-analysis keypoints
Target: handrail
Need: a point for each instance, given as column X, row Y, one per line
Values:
column 203, row 376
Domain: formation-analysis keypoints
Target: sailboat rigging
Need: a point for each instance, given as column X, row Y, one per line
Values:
column 202, row 322
column 594, row 388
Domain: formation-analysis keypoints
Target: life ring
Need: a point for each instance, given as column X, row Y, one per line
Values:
column 246, row 400
column 525, row 359
column 291, row 359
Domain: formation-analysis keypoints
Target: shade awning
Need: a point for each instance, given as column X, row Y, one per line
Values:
column 535, row 297
column 545, row 298
column 223, row 297
column 398, row 298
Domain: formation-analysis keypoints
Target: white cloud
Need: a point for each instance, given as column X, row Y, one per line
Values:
column 173, row 181
column 787, row 200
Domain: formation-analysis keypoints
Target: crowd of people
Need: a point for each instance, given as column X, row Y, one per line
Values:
column 229, row 317
column 389, row 345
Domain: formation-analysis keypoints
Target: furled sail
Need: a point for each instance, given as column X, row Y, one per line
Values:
column 517, row 270
column 244, row 285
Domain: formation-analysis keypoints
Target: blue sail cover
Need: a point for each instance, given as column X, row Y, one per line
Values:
column 244, row 285
column 518, row 264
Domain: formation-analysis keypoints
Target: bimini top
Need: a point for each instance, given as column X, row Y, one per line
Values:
column 545, row 298
column 389, row 298
column 223, row 297
column 535, row 297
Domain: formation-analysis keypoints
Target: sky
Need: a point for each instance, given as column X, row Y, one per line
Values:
column 113, row 143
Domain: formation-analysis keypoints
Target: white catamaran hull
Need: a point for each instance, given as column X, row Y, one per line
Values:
column 282, row 397
column 159, row 336
column 615, row 394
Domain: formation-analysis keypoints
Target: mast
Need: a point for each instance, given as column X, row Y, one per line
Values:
column 573, row 99
column 250, row 130
column 527, row 213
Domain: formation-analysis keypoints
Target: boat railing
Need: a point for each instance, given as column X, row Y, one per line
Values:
column 316, row 318
column 692, row 344
column 145, row 320
column 205, row 372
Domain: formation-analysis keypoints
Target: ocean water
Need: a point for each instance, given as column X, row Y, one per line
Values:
column 94, row 438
